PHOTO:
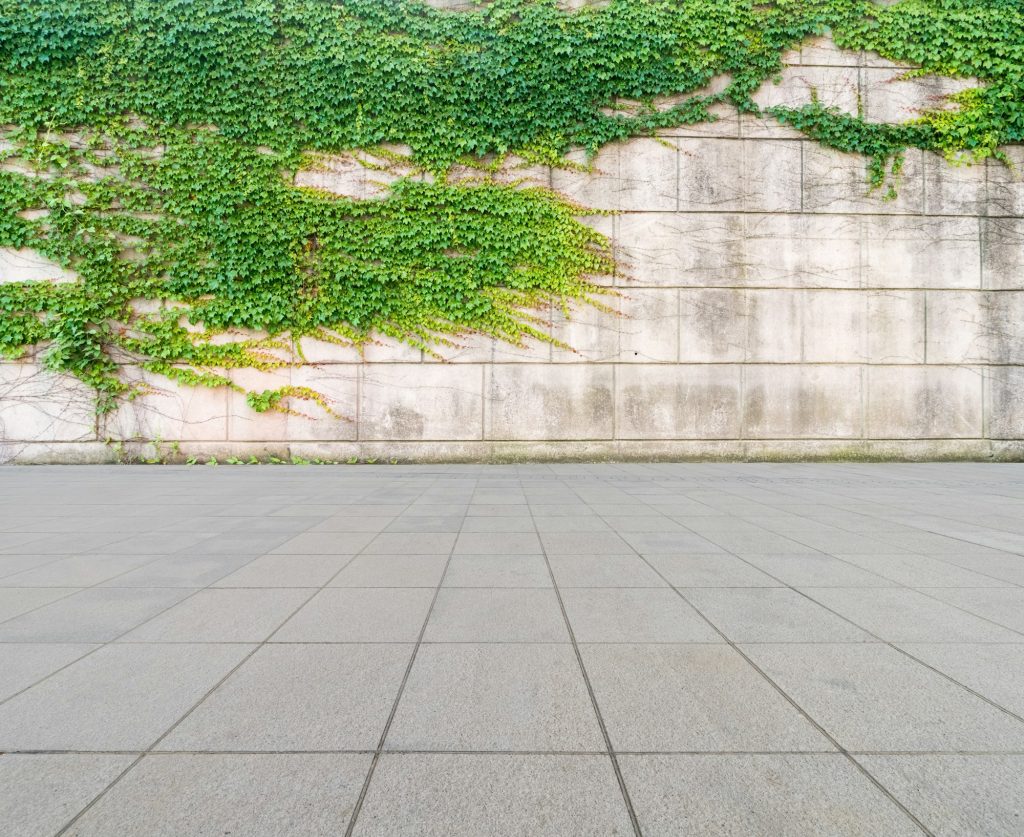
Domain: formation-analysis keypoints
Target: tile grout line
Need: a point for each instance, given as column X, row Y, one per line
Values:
column 358, row 806
column 612, row 756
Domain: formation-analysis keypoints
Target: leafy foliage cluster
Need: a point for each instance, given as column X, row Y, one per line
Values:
column 150, row 146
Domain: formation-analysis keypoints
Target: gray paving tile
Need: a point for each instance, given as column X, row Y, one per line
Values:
column 901, row 615
column 718, row 569
column 584, row 543
column 670, row 543
column 504, row 523
column 17, row 600
column 603, row 571
column 661, row 698
column 496, row 615
column 325, row 543
column 815, row 571
column 122, row 697
column 634, row 615
column 42, row 793
column 644, row 523
column 221, row 616
column 583, row 522
column 491, row 509
column 762, row 543
column 771, row 614
column 286, row 571
column 23, row 665
column 403, row 543
column 262, row 795
column 475, row 794
column 497, row 571
column 353, row 523
column 921, row 571
column 872, row 698
column 995, row 671
column 952, row 795
column 495, row 697
column 369, row 614
column 79, row 571
column 422, row 524
column 11, row 564
column 392, row 571
column 1005, row 606
column 94, row 615
column 498, row 543
column 758, row 794
column 181, row 571
column 299, row 697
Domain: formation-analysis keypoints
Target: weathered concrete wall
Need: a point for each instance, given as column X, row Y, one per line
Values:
column 770, row 308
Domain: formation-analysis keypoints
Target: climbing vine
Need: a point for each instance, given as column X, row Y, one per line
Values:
column 151, row 147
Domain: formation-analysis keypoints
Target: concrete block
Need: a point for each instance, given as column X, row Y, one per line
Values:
column 1006, row 185
column 775, row 320
column 766, row 127
column 710, row 174
column 649, row 327
column 640, row 174
column 831, row 86
column 667, row 249
column 726, row 124
column 822, row 50
column 793, row 402
column 838, row 182
column 1002, row 260
column 339, row 385
column 895, row 326
column 166, row 411
column 40, row 406
column 771, row 172
column 958, row 327
column 1005, row 395
column 801, row 250
column 834, row 328
column 889, row 97
column 713, row 325
column 591, row 334
column 926, row 402
column 678, row 402
column 902, row 252
column 954, row 187
column 534, row 401
column 421, row 402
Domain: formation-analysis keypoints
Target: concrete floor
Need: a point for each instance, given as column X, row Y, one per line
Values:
column 614, row 649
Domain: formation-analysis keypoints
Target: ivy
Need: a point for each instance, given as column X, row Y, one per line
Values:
column 151, row 146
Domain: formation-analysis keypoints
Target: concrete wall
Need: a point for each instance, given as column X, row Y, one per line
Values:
column 770, row 308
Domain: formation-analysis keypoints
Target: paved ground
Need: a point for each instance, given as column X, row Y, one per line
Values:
column 656, row 649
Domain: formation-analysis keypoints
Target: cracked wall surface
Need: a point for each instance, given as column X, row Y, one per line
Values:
column 770, row 308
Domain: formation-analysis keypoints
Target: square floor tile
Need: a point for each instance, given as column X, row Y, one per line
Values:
column 263, row 795
column 498, row 543
column 15, row 601
column 499, row 524
column 122, row 697
column 670, row 543
column 438, row 795
column 299, row 697
column 995, row 671
column 222, row 616
column 955, row 795
column 497, row 571
column 392, row 571
column 718, row 569
column 815, row 571
column 405, row 543
column 181, row 571
column 286, row 571
column 901, row 615
column 870, row 697
column 603, row 571
column 634, row 615
column 495, row 697
column 584, row 543
column 758, row 794
column 771, row 614
column 94, row 615
column 422, row 524
column 23, row 665
column 921, row 571
column 1005, row 606
column 79, row 571
column 42, row 793
column 669, row 698
column 368, row 614
column 496, row 615
column 325, row 543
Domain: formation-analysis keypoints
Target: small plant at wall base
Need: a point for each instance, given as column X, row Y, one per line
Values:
column 150, row 146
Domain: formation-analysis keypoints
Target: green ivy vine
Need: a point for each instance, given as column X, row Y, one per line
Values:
column 151, row 145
